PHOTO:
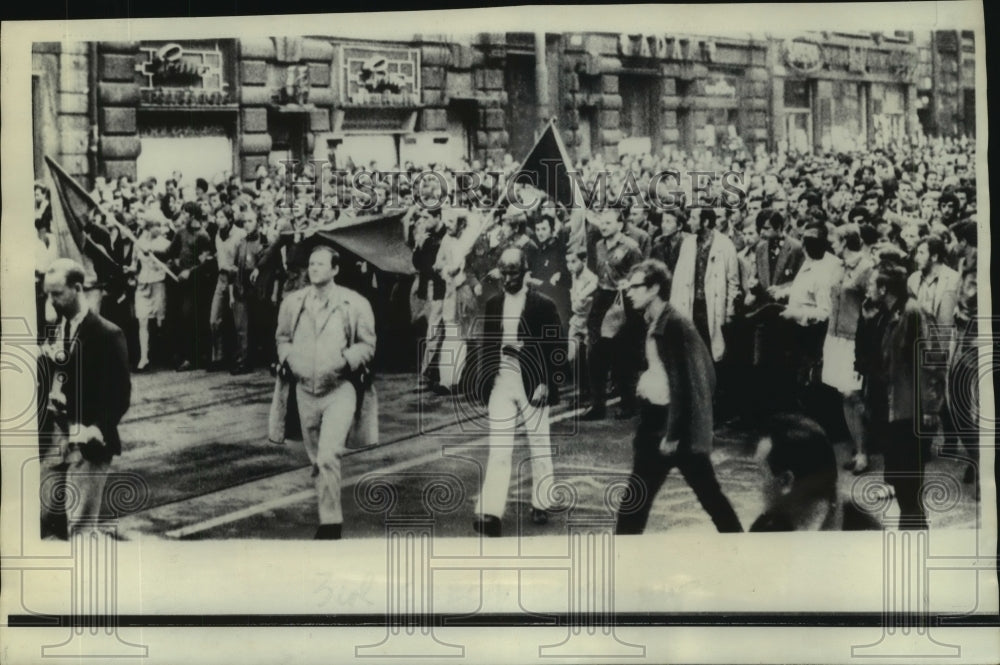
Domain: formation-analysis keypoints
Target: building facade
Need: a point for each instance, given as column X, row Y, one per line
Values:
column 205, row 107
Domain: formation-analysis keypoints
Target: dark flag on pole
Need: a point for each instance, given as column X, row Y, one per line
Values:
column 547, row 168
column 377, row 239
column 76, row 236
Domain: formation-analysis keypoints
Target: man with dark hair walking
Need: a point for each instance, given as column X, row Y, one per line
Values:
column 675, row 417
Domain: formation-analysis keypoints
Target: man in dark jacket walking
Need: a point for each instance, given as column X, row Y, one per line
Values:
column 675, row 415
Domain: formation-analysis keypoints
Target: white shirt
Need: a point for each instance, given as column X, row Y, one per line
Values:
column 513, row 307
column 810, row 291
column 653, row 386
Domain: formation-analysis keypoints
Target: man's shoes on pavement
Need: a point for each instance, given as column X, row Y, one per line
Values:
column 185, row 366
column 539, row 516
column 593, row 413
column 328, row 532
column 488, row 525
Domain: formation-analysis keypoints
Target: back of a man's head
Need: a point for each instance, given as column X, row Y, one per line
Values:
column 799, row 446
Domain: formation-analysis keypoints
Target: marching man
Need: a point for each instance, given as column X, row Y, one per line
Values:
column 326, row 341
column 518, row 374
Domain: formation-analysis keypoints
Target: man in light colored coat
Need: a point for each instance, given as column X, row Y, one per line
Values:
column 326, row 338
column 706, row 280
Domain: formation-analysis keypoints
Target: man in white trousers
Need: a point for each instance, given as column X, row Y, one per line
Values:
column 518, row 370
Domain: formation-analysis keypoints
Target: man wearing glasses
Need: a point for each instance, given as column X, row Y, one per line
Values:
column 675, row 408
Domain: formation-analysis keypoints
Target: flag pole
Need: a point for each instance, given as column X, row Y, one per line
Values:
column 127, row 232
column 93, row 204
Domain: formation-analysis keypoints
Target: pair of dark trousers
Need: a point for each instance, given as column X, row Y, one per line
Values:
column 251, row 329
column 189, row 327
column 618, row 354
column 906, row 454
column 650, row 469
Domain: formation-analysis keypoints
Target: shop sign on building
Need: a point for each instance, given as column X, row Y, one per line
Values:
column 720, row 87
column 803, row 55
column 177, row 75
column 662, row 47
column 380, row 76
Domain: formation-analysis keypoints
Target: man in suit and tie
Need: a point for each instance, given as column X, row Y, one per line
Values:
column 89, row 393
column 326, row 339
column 517, row 374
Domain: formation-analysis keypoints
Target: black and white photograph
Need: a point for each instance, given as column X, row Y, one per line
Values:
column 500, row 335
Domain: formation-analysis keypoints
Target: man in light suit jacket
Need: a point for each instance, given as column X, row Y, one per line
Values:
column 706, row 280
column 84, row 408
column 326, row 339
column 517, row 374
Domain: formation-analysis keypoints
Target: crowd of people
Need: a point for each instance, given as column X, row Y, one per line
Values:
column 811, row 284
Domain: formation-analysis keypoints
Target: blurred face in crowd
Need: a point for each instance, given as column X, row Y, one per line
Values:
column 970, row 288
column 963, row 198
column 321, row 269
column 750, row 235
column 875, row 293
column 221, row 220
column 802, row 207
column 780, row 204
column 694, row 222
column 754, row 207
column 871, row 205
column 669, row 224
column 947, row 209
column 910, row 235
column 906, row 193
column 543, row 229
column 933, row 180
column 574, row 264
column 637, row 215
column 512, row 270
column 922, row 258
column 39, row 195
column 250, row 222
column 770, row 184
column 610, row 225
column 928, row 206
column 206, row 208
column 154, row 229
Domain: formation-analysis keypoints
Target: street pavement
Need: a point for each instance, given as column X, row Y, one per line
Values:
column 199, row 441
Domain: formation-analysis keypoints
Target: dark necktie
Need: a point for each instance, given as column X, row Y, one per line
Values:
column 66, row 339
